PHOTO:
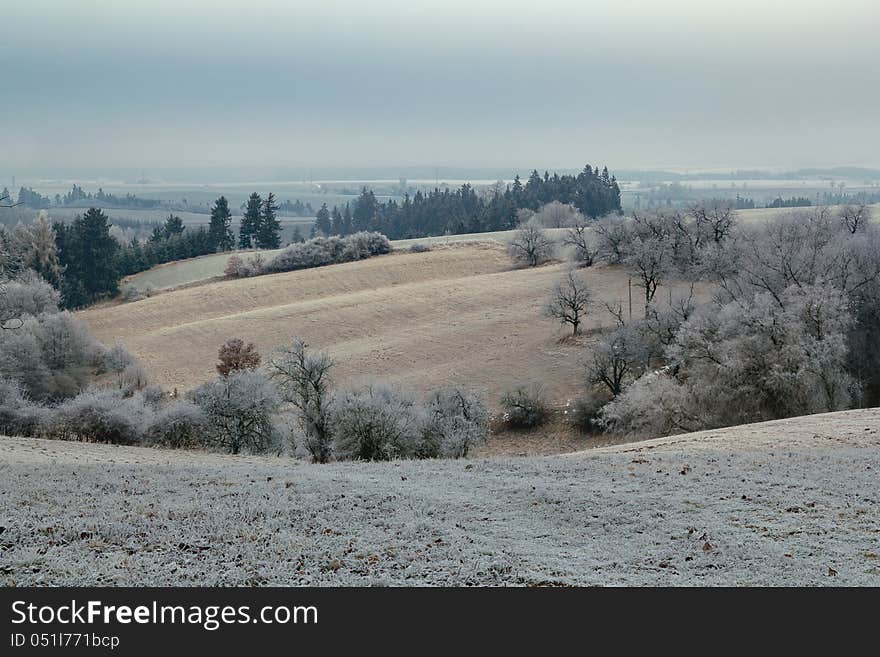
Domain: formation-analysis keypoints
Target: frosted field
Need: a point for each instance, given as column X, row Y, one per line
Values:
column 791, row 502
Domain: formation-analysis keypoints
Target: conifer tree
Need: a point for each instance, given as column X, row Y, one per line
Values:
column 88, row 252
column 220, row 231
column 250, row 222
column 268, row 235
column 336, row 225
column 322, row 220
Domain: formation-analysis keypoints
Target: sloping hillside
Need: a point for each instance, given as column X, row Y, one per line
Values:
column 458, row 314
column 792, row 502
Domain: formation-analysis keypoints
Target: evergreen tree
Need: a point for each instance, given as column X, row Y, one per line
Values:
column 322, row 220
column 173, row 226
column 297, row 236
column 220, row 230
column 336, row 225
column 347, row 221
column 88, row 252
column 268, row 235
column 365, row 209
column 250, row 222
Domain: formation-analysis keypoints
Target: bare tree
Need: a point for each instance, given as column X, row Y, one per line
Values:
column 5, row 201
column 615, row 359
column 531, row 246
column 649, row 261
column 855, row 217
column 716, row 221
column 582, row 243
column 303, row 379
column 569, row 301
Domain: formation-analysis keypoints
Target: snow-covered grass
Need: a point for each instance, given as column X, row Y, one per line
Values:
column 790, row 502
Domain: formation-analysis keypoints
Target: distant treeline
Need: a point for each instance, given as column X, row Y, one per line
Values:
column 79, row 198
column 439, row 212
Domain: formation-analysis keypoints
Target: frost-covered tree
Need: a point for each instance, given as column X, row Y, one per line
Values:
column 569, row 301
column 455, row 422
column 239, row 411
column 37, row 250
column 742, row 363
column 557, row 215
column 530, row 245
column 584, row 247
column 302, row 378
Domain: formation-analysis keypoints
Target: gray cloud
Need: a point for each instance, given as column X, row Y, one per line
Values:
column 682, row 83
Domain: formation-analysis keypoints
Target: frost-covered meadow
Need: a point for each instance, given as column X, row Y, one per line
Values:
column 790, row 502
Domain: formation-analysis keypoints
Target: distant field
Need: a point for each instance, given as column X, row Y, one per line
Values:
column 457, row 314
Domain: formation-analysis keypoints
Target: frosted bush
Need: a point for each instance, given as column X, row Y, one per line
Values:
column 100, row 416
column 239, row 411
column 376, row 423
column 179, row 425
column 321, row 251
column 456, row 421
column 27, row 295
column 524, row 406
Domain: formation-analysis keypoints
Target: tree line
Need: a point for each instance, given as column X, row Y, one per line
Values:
column 593, row 192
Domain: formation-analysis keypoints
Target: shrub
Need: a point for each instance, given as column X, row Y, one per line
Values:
column 239, row 411
column 235, row 267
column 179, row 425
column 524, row 406
column 375, row 423
column 100, row 416
column 456, row 421
column 18, row 414
column 53, row 356
column 418, row 247
column 28, row 294
column 584, row 413
column 320, row 251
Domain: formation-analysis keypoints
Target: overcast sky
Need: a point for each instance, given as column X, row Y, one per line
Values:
column 546, row 83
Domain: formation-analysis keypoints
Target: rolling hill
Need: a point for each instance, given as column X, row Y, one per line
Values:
column 457, row 314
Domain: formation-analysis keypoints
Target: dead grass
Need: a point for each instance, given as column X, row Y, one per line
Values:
column 452, row 315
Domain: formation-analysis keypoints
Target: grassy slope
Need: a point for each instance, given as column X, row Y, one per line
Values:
column 458, row 314
column 194, row 270
column 204, row 268
column 774, row 503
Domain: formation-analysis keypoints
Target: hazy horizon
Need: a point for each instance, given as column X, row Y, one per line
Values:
column 97, row 88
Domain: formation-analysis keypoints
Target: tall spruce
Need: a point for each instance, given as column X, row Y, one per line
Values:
column 322, row 220
column 88, row 252
column 336, row 225
column 250, row 222
column 268, row 234
column 220, row 229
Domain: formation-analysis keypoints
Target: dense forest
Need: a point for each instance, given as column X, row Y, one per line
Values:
column 443, row 211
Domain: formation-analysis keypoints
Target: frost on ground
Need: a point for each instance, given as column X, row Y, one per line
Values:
column 790, row 502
